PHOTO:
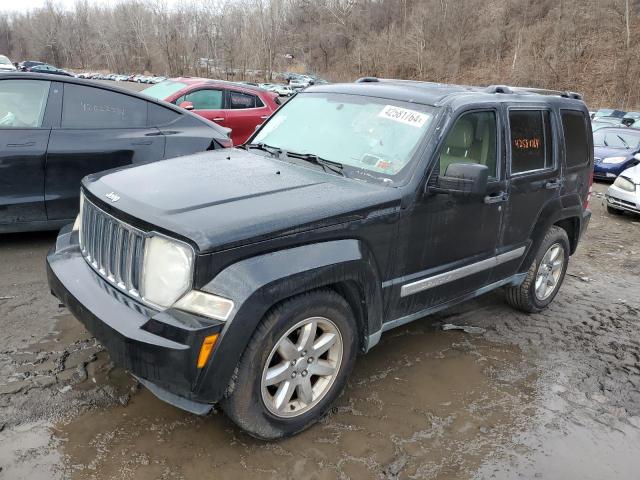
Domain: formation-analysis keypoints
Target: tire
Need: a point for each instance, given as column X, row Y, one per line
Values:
column 614, row 211
column 253, row 404
column 526, row 297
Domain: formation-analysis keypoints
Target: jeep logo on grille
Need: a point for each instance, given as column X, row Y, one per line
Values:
column 113, row 196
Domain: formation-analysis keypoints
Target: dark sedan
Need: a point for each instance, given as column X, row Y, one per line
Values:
column 55, row 130
column 615, row 150
column 50, row 69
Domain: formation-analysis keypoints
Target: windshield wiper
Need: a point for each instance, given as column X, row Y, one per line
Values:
column 274, row 151
column 327, row 165
column 626, row 145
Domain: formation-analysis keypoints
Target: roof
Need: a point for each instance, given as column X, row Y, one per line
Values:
column 436, row 94
column 212, row 81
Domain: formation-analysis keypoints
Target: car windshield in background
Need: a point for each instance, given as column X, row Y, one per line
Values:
column 372, row 138
column 162, row 90
column 4, row 60
column 616, row 139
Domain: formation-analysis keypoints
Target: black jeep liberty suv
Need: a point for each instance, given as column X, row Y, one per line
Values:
column 253, row 277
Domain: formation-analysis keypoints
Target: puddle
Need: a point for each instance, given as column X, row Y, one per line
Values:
column 423, row 404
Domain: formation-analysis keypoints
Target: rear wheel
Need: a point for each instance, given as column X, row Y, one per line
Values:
column 295, row 365
column 545, row 275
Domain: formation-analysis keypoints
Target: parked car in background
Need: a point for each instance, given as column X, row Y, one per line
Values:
column 602, row 122
column 56, row 130
column 26, row 65
column 237, row 106
column 615, row 150
column 6, row 65
column 51, row 70
column 630, row 119
column 608, row 112
column 281, row 90
column 624, row 194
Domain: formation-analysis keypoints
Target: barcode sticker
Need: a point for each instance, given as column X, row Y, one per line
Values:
column 404, row 115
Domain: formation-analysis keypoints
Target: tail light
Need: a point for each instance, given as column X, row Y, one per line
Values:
column 586, row 202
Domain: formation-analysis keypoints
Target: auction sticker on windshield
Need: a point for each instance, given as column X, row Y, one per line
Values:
column 404, row 115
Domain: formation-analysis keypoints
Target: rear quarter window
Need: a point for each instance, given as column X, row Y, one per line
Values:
column 576, row 137
column 89, row 107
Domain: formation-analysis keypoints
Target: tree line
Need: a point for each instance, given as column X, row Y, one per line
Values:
column 590, row 46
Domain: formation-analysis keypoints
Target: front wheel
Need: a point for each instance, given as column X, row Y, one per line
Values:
column 545, row 275
column 297, row 362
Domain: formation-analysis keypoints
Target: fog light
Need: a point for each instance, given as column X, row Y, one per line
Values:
column 206, row 349
column 205, row 304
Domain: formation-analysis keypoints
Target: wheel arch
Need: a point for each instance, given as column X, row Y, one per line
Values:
column 259, row 283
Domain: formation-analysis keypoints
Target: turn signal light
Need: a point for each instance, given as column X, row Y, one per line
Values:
column 206, row 349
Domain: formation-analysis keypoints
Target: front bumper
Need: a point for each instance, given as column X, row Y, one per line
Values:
column 160, row 348
column 607, row 171
column 623, row 199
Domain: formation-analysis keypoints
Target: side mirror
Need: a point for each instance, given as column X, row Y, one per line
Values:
column 186, row 105
column 464, row 179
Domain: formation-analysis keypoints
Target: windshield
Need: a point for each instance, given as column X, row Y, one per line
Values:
column 4, row 60
column 162, row 90
column 373, row 138
column 616, row 139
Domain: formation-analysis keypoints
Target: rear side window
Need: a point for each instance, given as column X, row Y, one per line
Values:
column 89, row 107
column 239, row 100
column 22, row 103
column 531, row 142
column 574, row 126
column 208, row 99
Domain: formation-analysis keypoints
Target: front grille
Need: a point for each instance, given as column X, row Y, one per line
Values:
column 113, row 248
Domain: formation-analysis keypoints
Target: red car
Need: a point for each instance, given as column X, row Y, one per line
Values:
column 237, row 106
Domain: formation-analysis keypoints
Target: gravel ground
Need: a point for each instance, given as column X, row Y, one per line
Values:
column 551, row 395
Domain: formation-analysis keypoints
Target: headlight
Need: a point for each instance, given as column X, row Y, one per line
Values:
column 625, row 184
column 78, row 223
column 166, row 272
column 205, row 304
column 614, row 160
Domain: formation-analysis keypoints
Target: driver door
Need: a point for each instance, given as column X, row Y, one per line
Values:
column 450, row 239
column 24, row 135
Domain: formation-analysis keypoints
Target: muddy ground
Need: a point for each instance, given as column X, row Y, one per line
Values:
column 553, row 395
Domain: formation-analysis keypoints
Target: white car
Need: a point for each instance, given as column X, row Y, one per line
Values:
column 624, row 194
column 6, row 65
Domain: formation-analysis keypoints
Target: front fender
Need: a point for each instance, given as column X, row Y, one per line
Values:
column 256, row 284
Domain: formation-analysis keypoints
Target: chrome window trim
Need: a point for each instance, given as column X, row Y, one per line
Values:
column 458, row 273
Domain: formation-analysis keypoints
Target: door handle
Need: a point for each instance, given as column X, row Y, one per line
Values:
column 25, row 144
column 219, row 119
column 264, row 117
column 142, row 142
column 552, row 184
column 496, row 198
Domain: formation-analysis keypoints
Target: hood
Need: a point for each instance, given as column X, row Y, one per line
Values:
column 229, row 197
column 7, row 67
column 633, row 174
column 604, row 152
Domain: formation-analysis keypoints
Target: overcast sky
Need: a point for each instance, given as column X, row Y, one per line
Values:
column 25, row 5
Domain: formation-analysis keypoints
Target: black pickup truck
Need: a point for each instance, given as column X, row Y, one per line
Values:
column 253, row 277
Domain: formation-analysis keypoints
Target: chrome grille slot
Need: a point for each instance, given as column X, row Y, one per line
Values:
column 113, row 248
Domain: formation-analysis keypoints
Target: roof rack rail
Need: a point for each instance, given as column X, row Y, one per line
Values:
column 367, row 80
column 540, row 91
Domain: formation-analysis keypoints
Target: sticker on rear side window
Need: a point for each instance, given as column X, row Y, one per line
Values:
column 404, row 115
